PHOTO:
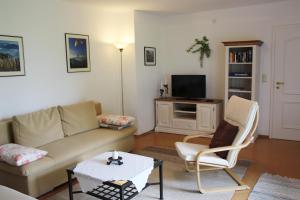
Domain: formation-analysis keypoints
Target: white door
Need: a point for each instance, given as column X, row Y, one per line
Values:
column 163, row 114
column 205, row 121
column 286, row 95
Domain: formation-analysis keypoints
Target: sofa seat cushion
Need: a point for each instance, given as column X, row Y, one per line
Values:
column 10, row 194
column 71, row 147
column 38, row 128
column 189, row 152
column 35, row 167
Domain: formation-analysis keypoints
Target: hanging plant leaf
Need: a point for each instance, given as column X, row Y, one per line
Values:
column 203, row 49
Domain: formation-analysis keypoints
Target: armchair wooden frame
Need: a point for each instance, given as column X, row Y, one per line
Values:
column 197, row 166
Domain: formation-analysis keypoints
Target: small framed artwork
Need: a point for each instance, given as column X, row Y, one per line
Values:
column 11, row 56
column 149, row 56
column 77, row 53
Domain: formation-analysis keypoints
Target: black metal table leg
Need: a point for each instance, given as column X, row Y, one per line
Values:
column 121, row 194
column 161, row 192
column 70, row 185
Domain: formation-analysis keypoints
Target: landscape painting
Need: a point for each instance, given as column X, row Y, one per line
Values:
column 11, row 56
column 149, row 56
column 78, row 53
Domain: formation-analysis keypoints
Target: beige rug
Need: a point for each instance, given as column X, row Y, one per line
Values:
column 178, row 184
column 276, row 187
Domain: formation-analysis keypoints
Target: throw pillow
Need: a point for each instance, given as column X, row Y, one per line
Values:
column 224, row 136
column 18, row 155
column 116, row 120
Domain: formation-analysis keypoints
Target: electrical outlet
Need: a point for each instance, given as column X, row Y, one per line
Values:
column 264, row 78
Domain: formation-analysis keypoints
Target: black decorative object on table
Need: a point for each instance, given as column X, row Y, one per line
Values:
column 161, row 91
column 115, row 161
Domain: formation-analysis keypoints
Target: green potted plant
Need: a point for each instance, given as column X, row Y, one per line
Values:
column 201, row 47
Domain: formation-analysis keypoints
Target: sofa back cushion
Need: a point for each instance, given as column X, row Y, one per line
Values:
column 78, row 118
column 38, row 128
column 6, row 132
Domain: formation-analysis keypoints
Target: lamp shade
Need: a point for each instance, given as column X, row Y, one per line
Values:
column 120, row 45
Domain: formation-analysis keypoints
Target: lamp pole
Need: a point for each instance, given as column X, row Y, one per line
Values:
column 122, row 87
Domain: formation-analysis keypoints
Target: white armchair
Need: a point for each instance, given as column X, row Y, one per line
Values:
column 239, row 112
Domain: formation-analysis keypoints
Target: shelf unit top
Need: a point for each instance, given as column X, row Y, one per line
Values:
column 185, row 118
column 240, row 77
column 184, row 111
column 239, row 91
column 243, row 43
column 240, row 63
column 179, row 100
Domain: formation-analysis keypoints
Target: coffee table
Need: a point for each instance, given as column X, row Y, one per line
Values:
column 117, row 190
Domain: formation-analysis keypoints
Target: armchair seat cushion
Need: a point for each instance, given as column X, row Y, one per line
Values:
column 189, row 151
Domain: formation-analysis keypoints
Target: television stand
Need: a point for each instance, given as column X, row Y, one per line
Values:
column 188, row 116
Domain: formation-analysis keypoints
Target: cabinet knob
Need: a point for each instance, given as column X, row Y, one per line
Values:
column 279, row 83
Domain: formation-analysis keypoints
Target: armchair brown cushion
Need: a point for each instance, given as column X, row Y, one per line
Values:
column 224, row 136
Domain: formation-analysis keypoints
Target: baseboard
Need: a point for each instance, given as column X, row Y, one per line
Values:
column 182, row 131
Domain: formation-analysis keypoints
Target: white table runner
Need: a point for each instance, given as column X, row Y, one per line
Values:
column 91, row 173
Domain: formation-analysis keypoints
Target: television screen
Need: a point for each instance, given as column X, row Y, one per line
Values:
column 189, row 86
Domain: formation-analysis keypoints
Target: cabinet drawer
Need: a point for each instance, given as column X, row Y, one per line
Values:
column 184, row 124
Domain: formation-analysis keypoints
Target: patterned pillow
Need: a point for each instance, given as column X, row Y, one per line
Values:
column 18, row 155
column 117, row 120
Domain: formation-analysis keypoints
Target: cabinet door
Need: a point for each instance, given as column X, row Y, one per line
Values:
column 163, row 114
column 205, row 117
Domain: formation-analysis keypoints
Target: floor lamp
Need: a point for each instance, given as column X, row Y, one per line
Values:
column 121, row 47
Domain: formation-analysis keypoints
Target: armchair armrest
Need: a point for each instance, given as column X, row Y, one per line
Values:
column 226, row 148
column 189, row 137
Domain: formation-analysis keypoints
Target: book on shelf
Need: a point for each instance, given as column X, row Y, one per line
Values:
column 239, row 74
column 240, row 56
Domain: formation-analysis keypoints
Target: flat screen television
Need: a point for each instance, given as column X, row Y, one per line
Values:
column 189, row 86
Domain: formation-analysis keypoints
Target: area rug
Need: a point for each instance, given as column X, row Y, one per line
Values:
column 178, row 184
column 276, row 187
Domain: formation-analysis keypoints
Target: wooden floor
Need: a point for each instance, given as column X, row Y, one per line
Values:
column 266, row 155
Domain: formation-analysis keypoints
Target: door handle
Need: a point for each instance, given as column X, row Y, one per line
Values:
column 279, row 83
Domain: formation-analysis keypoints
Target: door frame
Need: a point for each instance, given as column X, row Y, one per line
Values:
column 272, row 79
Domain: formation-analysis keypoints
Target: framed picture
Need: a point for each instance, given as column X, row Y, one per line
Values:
column 11, row 56
column 78, row 53
column 149, row 56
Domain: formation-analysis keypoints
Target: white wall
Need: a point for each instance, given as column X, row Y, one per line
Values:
column 147, row 33
column 42, row 25
column 245, row 23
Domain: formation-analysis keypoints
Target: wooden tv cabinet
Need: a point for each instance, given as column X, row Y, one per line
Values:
column 186, row 116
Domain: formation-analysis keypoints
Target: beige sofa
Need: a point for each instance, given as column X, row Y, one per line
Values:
column 75, row 145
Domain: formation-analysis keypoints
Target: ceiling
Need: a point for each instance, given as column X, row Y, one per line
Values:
column 172, row 6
